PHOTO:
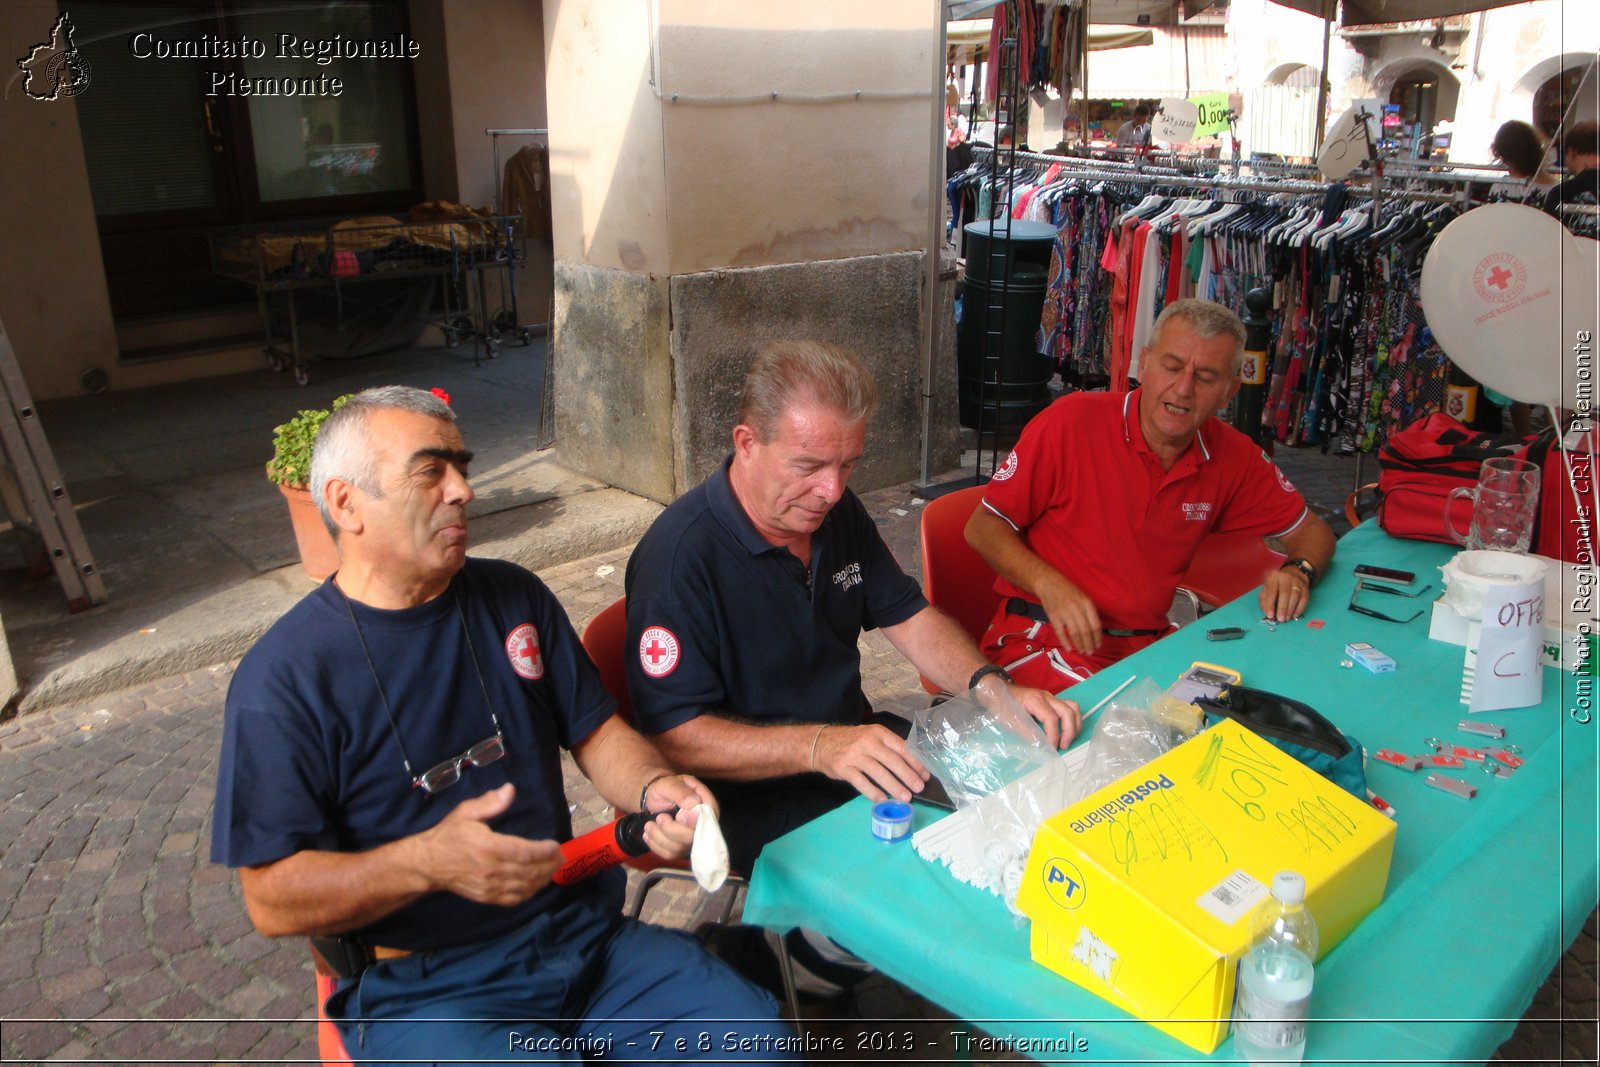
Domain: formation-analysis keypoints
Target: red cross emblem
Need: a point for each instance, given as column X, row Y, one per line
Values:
column 658, row 651
column 522, row 649
column 1499, row 278
column 1008, row 468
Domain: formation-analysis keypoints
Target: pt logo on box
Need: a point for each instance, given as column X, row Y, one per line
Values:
column 1064, row 884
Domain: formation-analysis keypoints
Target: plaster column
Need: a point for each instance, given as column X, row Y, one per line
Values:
column 698, row 215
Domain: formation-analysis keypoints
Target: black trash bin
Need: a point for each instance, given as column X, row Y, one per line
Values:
column 1008, row 387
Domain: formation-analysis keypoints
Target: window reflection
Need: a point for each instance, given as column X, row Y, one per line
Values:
column 317, row 146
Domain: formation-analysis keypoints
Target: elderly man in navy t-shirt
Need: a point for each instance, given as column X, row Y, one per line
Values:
column 391, row 779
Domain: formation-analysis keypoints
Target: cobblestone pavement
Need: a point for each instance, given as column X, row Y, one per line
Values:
column 122, row 943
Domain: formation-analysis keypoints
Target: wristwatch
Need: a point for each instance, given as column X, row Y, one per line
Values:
column 985, row 671
column 1304, row 566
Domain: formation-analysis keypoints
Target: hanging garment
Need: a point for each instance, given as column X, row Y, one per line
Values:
column 525, row 190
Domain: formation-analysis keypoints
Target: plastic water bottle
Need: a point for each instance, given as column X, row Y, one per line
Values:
column 1274, row 984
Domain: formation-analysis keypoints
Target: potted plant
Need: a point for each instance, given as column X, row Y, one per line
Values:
column 290, row 469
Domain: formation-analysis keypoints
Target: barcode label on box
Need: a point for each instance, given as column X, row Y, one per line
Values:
column 1233, row 897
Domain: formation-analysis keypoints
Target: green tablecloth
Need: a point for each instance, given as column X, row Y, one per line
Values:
column 1483, row 896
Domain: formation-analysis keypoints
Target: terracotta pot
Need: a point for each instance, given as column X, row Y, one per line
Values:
column 318, row 554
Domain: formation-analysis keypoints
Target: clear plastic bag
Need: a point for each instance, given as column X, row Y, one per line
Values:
column 977, row 744
column 1005, row 780
column 1143, row 722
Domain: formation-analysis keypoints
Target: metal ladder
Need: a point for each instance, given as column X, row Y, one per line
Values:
column 34, row 494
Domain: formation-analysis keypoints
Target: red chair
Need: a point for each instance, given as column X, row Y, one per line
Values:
column 605, row 639
column 1354, row 512
column 955, row 579
column 1227, row 566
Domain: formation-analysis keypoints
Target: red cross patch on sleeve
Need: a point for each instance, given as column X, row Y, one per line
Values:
column 658, row 651
column 522, row 649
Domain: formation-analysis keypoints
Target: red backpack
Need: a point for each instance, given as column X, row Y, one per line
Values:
column 1422, row 463
column 1566, row 527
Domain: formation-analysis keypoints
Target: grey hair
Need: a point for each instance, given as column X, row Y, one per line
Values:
column 345, row 451
column 786, row 372
column 1206, row 318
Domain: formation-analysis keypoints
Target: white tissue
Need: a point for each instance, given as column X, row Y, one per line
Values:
column 708, row 856
column 1469, row 575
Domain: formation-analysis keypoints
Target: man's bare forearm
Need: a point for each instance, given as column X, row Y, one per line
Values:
column 716, row 747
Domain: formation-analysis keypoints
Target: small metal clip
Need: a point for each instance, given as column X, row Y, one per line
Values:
column 1453, row 786
column 1398, row 759
column 1434, row 743
column 1487, row 729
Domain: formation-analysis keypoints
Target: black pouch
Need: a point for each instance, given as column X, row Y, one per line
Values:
column 1297, row 728
column 340, row 957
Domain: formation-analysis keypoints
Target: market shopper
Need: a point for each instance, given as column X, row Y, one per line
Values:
column 747, row 597
column 1519, row 146
column 1135, row 133
column 1098, row 511
column 390, row 783
column 1580, row 155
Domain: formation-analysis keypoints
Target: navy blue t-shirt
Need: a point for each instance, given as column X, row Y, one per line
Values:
column 720, row 620
column 309, row 760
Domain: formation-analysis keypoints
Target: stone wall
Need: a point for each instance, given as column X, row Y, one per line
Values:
column 616, row 405
column 613, row 378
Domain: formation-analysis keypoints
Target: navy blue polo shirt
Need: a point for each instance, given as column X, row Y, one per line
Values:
column 720, row 620
column 309, row 759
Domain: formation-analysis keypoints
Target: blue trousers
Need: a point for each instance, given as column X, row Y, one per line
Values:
column 581, row 984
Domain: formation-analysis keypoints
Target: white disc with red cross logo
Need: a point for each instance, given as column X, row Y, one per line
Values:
column 1506, row 289
column 522, row 649
column 658, row 651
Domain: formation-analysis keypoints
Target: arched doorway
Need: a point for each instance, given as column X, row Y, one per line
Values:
column 1420, row 95
column 1553, row 96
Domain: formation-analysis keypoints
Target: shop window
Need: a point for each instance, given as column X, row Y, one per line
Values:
column 178, row 138
column 1551, row 100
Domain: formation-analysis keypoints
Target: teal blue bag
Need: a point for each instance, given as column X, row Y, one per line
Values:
column 1296, row 728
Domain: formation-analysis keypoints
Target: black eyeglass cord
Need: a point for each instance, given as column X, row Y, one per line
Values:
column 472, row 651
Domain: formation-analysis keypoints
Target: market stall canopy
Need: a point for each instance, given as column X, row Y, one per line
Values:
column 1375, row 12
column 975, row 33
column 1176, row 65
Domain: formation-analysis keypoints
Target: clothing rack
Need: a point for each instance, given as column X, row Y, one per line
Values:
column 1097, row 173
column 494, row 148
column 509, row 319
column 979, row 150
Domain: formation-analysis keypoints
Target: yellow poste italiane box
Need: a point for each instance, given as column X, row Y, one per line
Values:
column 1141, row 892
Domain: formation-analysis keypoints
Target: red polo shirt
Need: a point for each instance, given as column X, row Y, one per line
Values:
column 1088, row 495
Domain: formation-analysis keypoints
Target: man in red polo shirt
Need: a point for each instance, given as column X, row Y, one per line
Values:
column 1096, row 514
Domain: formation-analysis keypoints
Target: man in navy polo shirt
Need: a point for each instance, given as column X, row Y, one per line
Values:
column 390, row 783
column 746, row 599
column 1095, row 516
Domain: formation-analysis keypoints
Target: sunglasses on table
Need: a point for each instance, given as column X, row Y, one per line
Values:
column 1381, row 587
